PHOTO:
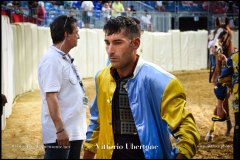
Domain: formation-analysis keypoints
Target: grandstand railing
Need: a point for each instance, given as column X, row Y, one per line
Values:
column 161, row 21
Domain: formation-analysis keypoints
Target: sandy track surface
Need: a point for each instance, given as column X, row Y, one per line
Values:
column 21, row 139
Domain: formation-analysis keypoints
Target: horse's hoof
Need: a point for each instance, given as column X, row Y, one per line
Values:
column 209, row 137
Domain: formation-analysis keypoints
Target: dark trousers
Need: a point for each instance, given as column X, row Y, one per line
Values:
column 53, row 151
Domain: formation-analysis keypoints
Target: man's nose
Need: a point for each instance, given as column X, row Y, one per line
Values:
column 110, row 48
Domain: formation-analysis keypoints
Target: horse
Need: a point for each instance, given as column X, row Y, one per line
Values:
column 223, row 48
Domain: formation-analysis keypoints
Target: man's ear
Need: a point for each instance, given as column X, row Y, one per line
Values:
column 136, row 43
column 65, row 35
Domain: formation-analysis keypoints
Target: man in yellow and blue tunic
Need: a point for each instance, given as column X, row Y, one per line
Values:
column 235, row 91
column 229, row 79
column 137, row 104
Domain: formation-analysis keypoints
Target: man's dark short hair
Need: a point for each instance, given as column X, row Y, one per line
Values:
column 59, row 26
column 130, row 25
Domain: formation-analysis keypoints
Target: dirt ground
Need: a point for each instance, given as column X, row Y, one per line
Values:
column 21, row 139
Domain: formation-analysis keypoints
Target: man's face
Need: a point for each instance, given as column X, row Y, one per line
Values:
column 120, row 50
column 73, row 38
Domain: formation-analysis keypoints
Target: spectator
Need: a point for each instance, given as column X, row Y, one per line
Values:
column 131, row 8
column 10, row 5
column 72, row 11
column 9, row 9
column 41, row 13
column 117, row 8
column 110, row 4
column 32, row 8
column 106, row 10
column 132, row 11
column 16, row 5
column 146, row 21
column 205, row 6
column 87, row 7
column 63, row 96
column 159, row 6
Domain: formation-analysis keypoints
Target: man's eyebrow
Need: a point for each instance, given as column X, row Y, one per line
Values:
column 116, row 40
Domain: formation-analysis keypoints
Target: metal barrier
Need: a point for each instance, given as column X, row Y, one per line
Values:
column 160, row 21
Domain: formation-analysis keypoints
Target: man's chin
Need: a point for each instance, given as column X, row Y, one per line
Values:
column 114, row 65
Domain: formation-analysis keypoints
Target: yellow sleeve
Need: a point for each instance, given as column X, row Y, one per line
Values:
column 91, row 144
column 180, row 121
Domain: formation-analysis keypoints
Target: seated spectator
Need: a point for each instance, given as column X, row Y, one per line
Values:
column 146, row 21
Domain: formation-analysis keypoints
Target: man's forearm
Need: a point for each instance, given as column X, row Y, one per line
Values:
column 54, row 110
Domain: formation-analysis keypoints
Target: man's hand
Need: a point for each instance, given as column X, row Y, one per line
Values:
column 88, row 155
column 63, row 139
column 180, row 156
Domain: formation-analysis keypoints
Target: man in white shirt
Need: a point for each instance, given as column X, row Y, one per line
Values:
column 87, row 8
column 63, row 97
column 146, row 21
column 159, row 6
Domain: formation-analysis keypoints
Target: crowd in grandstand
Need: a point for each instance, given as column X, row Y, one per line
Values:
column 43, row 12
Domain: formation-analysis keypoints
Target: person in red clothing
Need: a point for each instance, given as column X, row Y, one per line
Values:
column 41, row 13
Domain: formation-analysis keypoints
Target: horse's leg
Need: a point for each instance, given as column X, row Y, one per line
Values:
column 228, row 120
column 209, row 136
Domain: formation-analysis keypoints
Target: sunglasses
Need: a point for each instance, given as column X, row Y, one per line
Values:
column 65, row 23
